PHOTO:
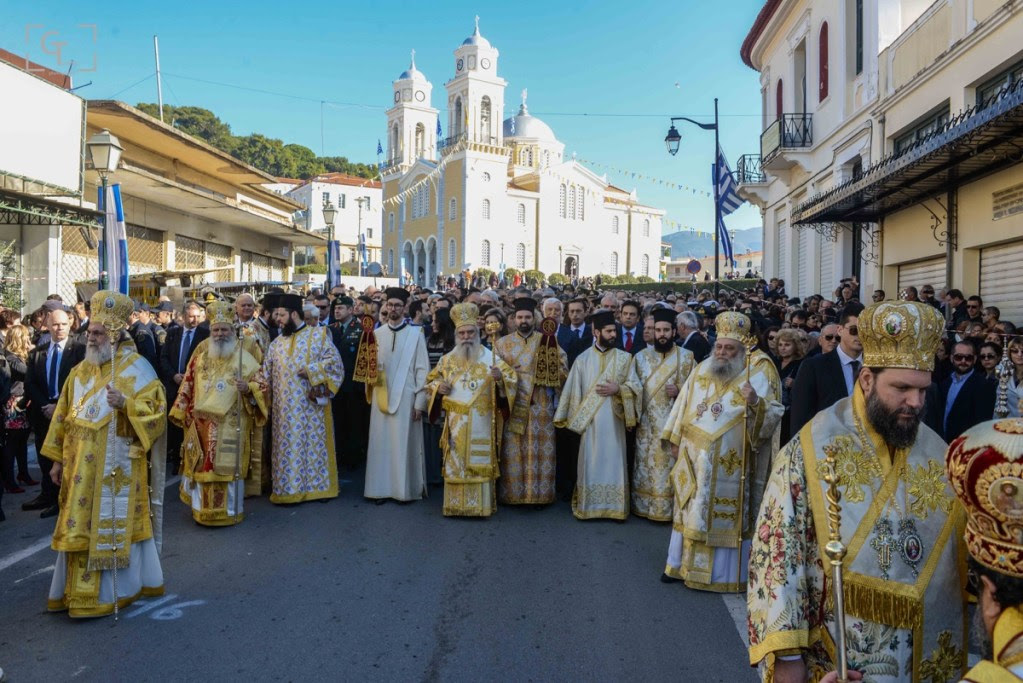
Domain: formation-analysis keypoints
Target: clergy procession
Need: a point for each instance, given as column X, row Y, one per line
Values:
column 864, row 518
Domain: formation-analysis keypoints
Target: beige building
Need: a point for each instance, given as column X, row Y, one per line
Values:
column 891, row 142
column 677, row 271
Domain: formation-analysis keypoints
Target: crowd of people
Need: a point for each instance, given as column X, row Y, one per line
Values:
column 718, row 413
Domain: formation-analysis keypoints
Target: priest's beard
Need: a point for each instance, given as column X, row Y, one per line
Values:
column 726, row 368
column 525, row 329
column 891, row 424
column 222, row 348
column 468, row 350
column 980, row 637
column 98, row 354
column 663, row 346
column 289, row 328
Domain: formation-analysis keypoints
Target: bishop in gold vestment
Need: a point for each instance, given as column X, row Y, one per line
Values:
column 301, row 371
column 903, row 584
column 662, row 369
column 111, row 414
column 599, row 403
column 221, row 418
column 720, row 423
column 528, row 456
column 474, row 388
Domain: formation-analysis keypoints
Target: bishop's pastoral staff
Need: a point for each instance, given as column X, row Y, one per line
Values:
column 222, row 410
column 721, row 429
column 110, row 417
column 599, row 402
column 662, row 369
column 904, row 603
column 301, row 371
column 474, row 388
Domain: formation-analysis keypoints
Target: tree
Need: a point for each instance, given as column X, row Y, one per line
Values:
column 266, row 154
column 557, row 279
column 10, row 281
column 307, row 164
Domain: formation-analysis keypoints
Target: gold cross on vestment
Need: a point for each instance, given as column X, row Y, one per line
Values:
column 883, row 543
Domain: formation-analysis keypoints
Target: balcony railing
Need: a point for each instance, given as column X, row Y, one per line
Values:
column 451, row 141
column 788, row 132
column 750, row 170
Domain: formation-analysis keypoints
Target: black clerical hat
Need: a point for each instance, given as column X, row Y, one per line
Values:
column 602, row 318
column 396, row 293
column 525, row 303
column 664, row 315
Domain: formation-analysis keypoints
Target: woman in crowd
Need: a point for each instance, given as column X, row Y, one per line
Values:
column 440, row 342
column 988, row 358
column 768, row 342
column 791, row 350
column 1016, row 380
column 17, row 344
column 494, row 315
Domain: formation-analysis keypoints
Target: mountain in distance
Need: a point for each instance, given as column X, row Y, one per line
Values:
column 686, row 245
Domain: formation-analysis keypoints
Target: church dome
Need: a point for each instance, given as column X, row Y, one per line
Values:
column 524, row 125
column 476, row 39
column 412, row 73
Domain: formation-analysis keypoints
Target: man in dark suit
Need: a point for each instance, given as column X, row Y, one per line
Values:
column 350, row 410
column 824, row 379
column 48, row 368
column 578, row 334
column 177, row 351
column 630, row 328
column 145, row 342
column 689, row 337
column 967, row 396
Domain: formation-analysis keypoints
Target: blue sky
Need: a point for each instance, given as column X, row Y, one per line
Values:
column 642, row 60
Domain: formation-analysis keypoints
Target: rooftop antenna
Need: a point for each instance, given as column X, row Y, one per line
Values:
column 159, row 84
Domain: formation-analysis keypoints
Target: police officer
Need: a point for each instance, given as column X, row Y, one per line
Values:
column 351, row 412
column 140, row 333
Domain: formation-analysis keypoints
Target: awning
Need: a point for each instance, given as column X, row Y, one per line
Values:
column 29, row 209
column 974, row 144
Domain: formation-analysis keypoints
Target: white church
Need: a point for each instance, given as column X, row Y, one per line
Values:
column 498, row 191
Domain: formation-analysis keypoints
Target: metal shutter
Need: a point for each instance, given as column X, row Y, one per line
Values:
column 826, row 281
column 803, row 263
column 783, row 249
column 1001, row 280
column 929, row 272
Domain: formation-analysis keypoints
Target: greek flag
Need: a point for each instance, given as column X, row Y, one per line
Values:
column 333, row 263
column 380, row 149
column 113, row 248
column 439, row 134
column 728, row 202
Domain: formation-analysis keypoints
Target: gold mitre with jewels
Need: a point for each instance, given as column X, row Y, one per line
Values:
column 111, row 309
column 985, row 467
column 463, row 315
column 900, row 334
column 734, row 325
column 218, row 312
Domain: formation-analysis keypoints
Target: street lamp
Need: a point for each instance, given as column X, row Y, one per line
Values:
column 329, row 214
column 672, row 140
column 362, row 237
column 104, row 150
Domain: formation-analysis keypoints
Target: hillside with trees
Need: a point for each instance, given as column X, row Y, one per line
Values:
column 267, row 154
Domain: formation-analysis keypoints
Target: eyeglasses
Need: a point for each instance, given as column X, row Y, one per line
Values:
column 972, row 306
column 962, row 356
column 322, row 308
column 829, row 337
column 772, row 337
column 988, row 356
column 1018, row 349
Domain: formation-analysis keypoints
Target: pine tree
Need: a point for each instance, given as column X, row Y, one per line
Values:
column 10, row 281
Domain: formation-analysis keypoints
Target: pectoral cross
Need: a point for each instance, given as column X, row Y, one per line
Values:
column 883, row 543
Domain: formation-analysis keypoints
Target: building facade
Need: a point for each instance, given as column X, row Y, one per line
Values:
column 890, row 145
column 358, row 204
column 498, row 191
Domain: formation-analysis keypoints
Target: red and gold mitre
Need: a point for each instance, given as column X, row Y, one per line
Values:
column 985, row 468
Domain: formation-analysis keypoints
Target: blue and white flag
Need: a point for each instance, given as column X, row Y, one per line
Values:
column 333, row 263
column 113, row 247
column 439, row 134
column 380, row 148
column 728, row 201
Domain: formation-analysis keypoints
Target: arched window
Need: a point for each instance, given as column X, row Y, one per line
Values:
column 485, row 253
column 394, row 142
column 529, row 156
column 614, row 262
column 452, row 210
column 390, row 222
column 485, row 120
column 614, row 225
column 451, row 252
column 420, row 140
column 561, row 200
column 486, row 209
column 457, row 123
column 520, row 214
column 579, row 212
column 778, row 100
column 520, row 256
column 822, row 66
column 644, row 265
column 571, row 202
column 646, row 227
column 390, row 261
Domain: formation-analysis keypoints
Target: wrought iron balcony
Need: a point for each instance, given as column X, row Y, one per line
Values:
column 749, row 170
column 791, row 131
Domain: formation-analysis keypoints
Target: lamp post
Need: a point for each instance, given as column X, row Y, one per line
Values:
column 672, row 140
column 104, row 150
column 329, row 214
column 362, row 237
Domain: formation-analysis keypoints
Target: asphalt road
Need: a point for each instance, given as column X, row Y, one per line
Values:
column 349, row 590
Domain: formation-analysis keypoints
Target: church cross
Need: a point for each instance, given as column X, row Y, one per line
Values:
column 883, row 543
column 477, row 23
column 413, row 57
column 525, row 92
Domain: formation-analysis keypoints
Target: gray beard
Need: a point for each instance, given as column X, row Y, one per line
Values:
column 726, row 369
column 221, row 348
column 98, row 355
column 467, row 351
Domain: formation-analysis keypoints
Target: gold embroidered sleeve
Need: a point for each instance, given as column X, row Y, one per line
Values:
column 326, row 370
column 146, row 414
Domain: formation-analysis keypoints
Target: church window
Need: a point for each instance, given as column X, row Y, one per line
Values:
column 486, row 177
column 390, row 222
column 520, row 255
column 614, row 225
column 486, row 209
column 571, row 202
column 394, row 142
column 644, row 267
column 485, row 120
column 452, row 210
column 646, row 228
column 561, row 201
column 451, row 252
column 390, row 261
column 614, row 263
column 485, row 253
column 520, row 214
column 458, row 116
column 529, row 156
column 579, row 206
column 420, row 140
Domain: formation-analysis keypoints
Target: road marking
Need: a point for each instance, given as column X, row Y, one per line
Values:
column 44, row 570
column 147, row 605
column 43, row 543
